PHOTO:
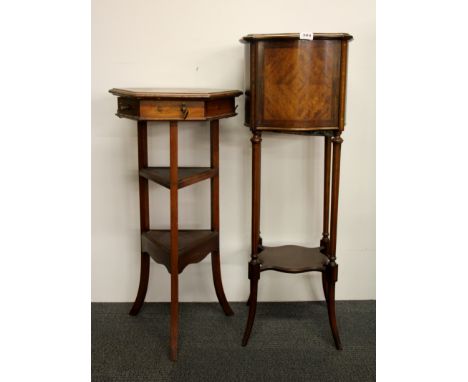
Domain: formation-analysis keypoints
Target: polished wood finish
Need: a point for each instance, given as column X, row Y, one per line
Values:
column 256, row 247
column 175, row 93
column 159, row 104
column 175, row 110
column 326, row 196
column 174, row 189
column 292, row 259
column 175, row 248
column 144, row 215
column 215, row 257
column 300, row 84
column 297, row 86
column 295, row 36
column 343, row 73
column 186, row 175
column 192, row 246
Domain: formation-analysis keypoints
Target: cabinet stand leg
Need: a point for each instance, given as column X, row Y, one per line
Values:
column 254, row 276
column 325, row 285
column 331, row 275
column 257, row 243
column 332, row 267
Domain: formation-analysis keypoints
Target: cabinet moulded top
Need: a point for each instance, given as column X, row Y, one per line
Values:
column 294, row 36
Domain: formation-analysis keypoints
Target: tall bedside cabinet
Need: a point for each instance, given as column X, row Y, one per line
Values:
column 296, row 84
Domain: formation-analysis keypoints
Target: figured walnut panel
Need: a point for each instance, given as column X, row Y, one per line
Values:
column 298, row 83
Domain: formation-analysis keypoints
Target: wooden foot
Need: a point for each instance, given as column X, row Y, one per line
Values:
column 254, row 275
column 143, row 287
column 248, row 301
column 331, row 310
column 218, row 284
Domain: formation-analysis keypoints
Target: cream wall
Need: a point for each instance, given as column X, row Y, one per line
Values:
column 195, row 44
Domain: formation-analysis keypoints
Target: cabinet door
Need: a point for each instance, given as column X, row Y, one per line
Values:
column 298, row 84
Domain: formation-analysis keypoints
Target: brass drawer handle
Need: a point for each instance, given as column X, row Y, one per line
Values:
column 184, row 110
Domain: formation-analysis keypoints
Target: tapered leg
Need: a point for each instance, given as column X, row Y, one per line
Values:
column 216, row 269
column 143, row 287
column 331, row 307
column 144, row 215
column 254, row 265
column 174, row 241
column 325, row 285
column 215, row 257
column 332, row 268
column 254, row 276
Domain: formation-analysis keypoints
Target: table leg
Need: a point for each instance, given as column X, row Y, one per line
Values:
column 215, row 257
column 174, row 240
column 144, row 215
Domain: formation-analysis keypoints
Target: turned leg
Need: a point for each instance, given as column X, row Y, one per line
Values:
column 215, row 257
column 324, row 242
column 260, row 249
column 174, row 242
column 144, row 215
column 254, row 265
column 332, row 268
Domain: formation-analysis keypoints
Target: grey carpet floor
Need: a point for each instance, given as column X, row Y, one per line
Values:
column 289, row 342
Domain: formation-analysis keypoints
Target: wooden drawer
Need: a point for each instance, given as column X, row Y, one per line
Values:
column 172, row 110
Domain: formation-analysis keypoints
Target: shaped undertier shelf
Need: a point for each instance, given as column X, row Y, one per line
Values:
column 194, row 246
column 292, row 259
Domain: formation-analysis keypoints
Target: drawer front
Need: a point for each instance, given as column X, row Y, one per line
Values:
column 172, row 110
